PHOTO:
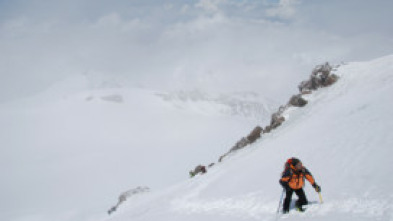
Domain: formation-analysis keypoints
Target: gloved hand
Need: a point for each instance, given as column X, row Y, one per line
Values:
column 285, row 185
column 316, row 187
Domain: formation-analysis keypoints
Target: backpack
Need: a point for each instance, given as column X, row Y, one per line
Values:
column 287, row 165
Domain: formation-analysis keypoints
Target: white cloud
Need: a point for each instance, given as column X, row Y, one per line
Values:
column 184, row 9
column 232, row 41
column 109, row 20
column 285, row 9
column 211, row 6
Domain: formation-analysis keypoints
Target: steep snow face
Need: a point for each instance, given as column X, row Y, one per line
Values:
column 343, row 136
column 73, row 149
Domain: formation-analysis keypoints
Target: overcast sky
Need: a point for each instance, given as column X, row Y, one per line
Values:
column 219, row 45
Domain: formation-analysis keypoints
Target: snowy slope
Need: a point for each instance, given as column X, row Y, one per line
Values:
column 72, row 149
column 343, row 136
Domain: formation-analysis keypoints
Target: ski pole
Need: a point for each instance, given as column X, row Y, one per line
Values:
column 279, row 204
column 320, row 197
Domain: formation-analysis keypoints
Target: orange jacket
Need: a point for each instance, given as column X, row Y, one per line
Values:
column 295, row 179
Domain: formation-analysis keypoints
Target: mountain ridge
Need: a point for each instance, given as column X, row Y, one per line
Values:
column 342, row 136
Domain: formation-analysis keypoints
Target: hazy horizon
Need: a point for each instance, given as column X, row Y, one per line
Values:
column 213, row 45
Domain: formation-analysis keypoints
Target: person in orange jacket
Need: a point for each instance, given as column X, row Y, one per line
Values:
column 293, row 180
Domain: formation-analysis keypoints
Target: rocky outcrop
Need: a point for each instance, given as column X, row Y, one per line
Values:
column 297, row 101
column 240, row 144
column 124, row 196
column 113, row 98
column 254, row 135
column 276, row 120
column 200, row 169
column 321, row 76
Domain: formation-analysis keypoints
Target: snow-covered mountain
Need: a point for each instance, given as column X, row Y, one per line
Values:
column 74, row 147
column 68, row 153
column 343, row 136
column 247, row 104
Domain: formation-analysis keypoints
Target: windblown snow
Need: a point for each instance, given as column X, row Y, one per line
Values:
column 77, row 154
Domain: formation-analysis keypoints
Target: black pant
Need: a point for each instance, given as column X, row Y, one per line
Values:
column 301, row 201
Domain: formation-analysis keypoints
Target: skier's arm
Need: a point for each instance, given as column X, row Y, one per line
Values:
column 286, row 176
column 309, row 176
column 310, row 179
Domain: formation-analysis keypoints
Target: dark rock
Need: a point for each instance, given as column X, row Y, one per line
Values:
column 124, row 196
column 255, row 134
column 331, row 80
column 297, row 101
column 240, row 144
column 198, row 169
column 320, row 77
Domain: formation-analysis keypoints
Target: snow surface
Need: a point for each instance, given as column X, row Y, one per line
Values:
column 69, row 158
column 343, row 136
column 68, row 152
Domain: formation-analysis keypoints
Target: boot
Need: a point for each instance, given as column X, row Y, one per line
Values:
column 299, row 207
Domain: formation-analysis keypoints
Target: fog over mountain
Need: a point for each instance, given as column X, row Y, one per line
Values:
column 214, row 45
column 99, row 97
